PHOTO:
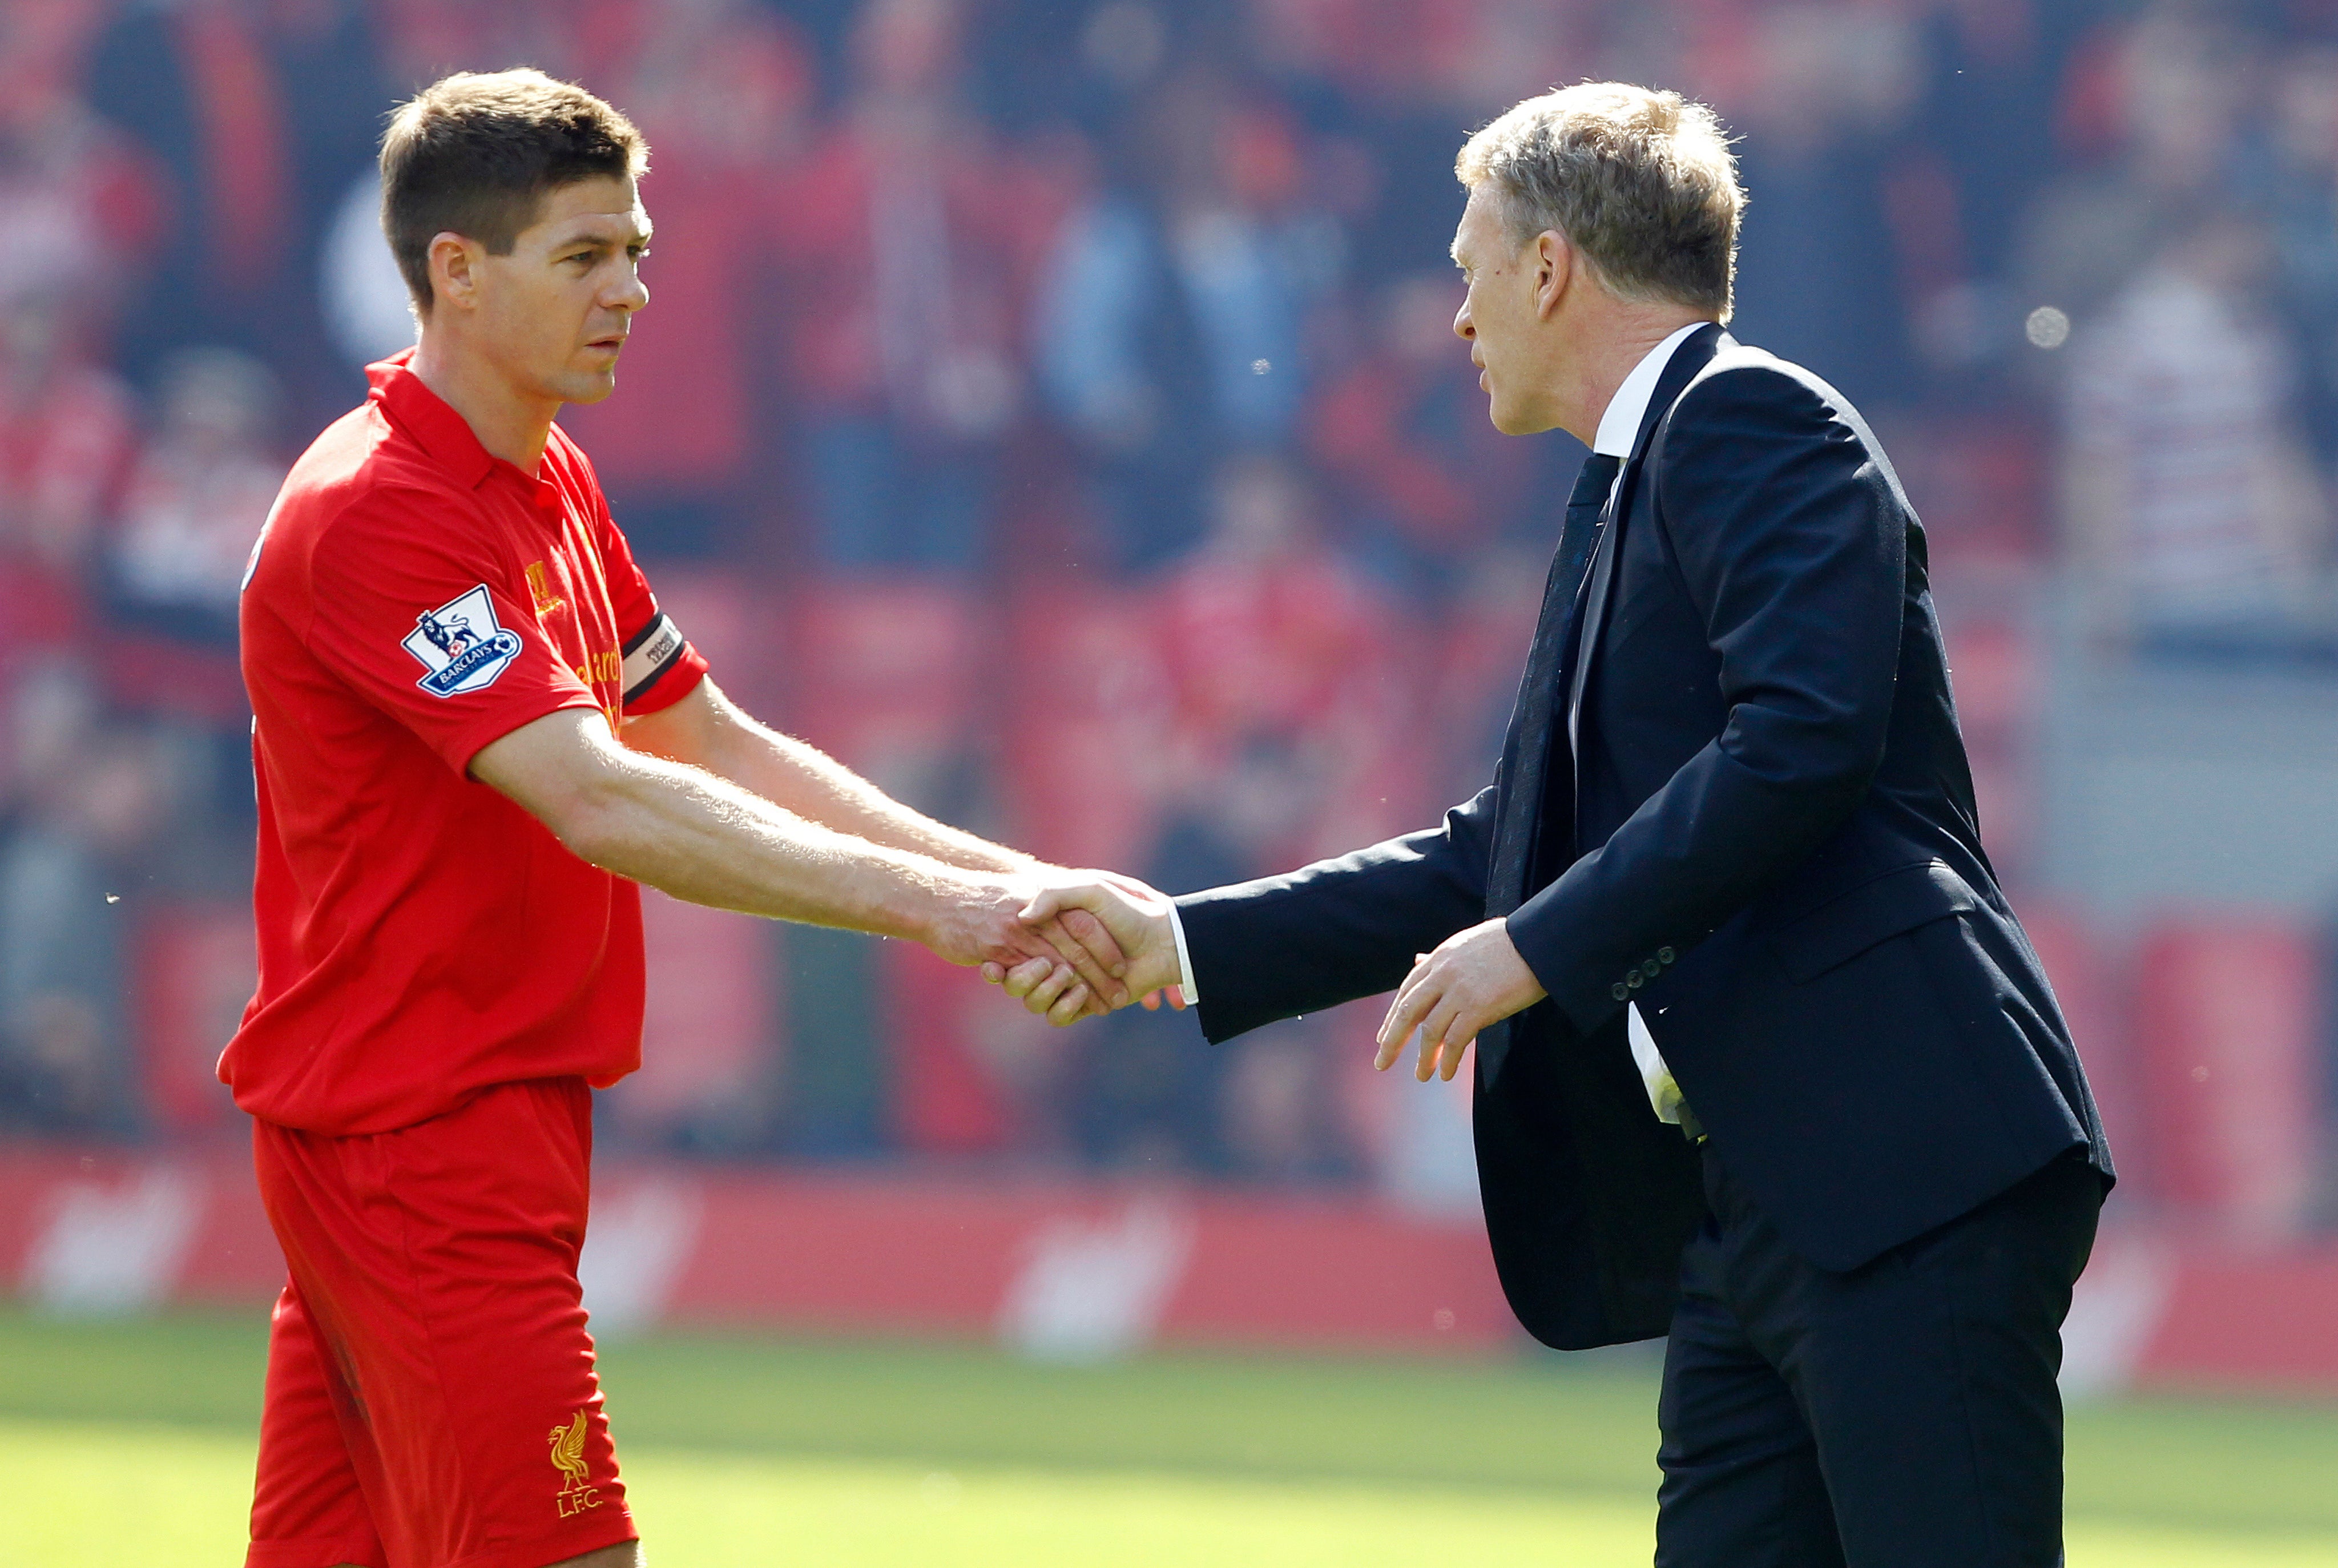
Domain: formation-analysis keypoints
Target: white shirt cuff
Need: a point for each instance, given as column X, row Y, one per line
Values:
column 1184, row 961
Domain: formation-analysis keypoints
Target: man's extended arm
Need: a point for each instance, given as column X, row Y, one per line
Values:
column 705, row 839
column 1299, row 942
column 706, row 729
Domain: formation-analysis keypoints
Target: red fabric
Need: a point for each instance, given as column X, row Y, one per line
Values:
column 421, row 937
column 431, row 1354
column 1291, row 651
column 2226, row 1035
column 238, row 109
column 194, row 970
column 949, row 1100
column 1360, row 434
column 1000, row 219
column 1411, row 441
column 65, row 445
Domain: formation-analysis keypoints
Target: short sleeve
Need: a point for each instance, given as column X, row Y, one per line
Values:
column 661, row 667
column 425, row 627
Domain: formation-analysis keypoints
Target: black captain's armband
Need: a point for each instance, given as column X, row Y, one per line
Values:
column 652, row 650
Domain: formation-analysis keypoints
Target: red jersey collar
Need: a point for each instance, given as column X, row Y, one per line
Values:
column 444, row 435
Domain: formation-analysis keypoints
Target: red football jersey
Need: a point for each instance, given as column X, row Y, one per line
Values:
column 421, row 937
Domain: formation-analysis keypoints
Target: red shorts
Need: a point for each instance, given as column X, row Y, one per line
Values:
column 431, row 1398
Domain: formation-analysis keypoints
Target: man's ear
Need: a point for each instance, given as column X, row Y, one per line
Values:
column 454, row 271
column 1554, row 264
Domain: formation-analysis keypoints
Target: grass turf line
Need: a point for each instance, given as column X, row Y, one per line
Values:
column 1533, row 1430
column 118, row 1496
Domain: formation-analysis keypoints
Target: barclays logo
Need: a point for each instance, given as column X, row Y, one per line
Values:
column 461, row 646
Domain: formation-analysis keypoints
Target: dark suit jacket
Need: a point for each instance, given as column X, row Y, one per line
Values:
column 1763, row 834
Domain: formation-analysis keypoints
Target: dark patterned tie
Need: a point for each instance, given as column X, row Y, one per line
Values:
column 1541, row 690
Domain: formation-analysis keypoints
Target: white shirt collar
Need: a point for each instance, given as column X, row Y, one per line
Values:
column 1620, row 425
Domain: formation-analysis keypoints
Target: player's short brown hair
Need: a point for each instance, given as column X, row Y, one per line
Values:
column 1641, row 183
column 476, row 153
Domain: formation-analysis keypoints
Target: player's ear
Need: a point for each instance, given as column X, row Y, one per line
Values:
column 454, row 271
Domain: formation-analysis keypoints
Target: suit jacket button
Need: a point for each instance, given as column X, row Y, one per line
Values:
column 1665, row 955
column 1634, row 980
column 1652, row 969
column 1619, row 991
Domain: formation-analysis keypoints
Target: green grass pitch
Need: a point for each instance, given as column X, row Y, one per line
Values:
column 130, row 1442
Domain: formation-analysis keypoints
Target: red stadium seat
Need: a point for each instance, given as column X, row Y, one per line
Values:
column 707, row 1024
column 1088, row 721
column 2100, row 1011
column 194, row 971
column 885, row 675
column 946, row 1101
column 2227, row 1011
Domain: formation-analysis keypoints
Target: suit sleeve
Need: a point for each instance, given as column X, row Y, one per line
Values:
column 1793, row 549
column 1339, row 929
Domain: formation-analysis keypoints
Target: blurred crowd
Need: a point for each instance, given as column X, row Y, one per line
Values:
column 1050, row 407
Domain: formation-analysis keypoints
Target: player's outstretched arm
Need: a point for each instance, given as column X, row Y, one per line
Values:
column 702, row 838
column 707, row 729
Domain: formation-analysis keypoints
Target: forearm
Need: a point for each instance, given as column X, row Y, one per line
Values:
column 812, row 785
column 719, row 842
column 638, row 811
column 1336, row 930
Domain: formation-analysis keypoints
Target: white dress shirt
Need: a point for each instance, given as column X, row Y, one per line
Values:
column 1619, row 426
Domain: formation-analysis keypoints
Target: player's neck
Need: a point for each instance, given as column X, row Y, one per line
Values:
column 508, row 424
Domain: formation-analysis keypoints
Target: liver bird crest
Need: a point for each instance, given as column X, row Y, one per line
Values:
column 568, row 1452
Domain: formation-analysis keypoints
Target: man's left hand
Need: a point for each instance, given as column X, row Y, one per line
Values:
column 1475, row 978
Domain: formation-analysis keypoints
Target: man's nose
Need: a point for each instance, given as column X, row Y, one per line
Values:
column 1463, row 328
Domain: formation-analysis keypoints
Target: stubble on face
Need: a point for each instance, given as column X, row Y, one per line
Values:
column 563, row 297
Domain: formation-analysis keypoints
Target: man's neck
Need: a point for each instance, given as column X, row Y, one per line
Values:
column 1610, row 356
column 510, row 426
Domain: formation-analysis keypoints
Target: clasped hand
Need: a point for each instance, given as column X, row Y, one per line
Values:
column 1474, row 979
column 1132, row 917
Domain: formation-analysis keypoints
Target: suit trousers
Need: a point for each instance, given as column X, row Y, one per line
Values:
column 1902, row 1415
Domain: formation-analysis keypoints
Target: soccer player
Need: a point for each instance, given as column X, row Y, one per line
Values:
column 474, row 732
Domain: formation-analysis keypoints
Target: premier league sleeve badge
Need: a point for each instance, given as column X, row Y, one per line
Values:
column 461, row 645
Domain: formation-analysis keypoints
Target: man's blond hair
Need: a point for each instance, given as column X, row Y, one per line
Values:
column 1641, row 183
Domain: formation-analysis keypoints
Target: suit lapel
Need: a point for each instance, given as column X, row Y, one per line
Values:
column 1694, row 354
column 1509, row 877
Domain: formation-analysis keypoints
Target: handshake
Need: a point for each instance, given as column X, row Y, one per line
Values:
column 1115, row 941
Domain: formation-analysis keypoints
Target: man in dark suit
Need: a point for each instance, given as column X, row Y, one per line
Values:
column 1764, row 1059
